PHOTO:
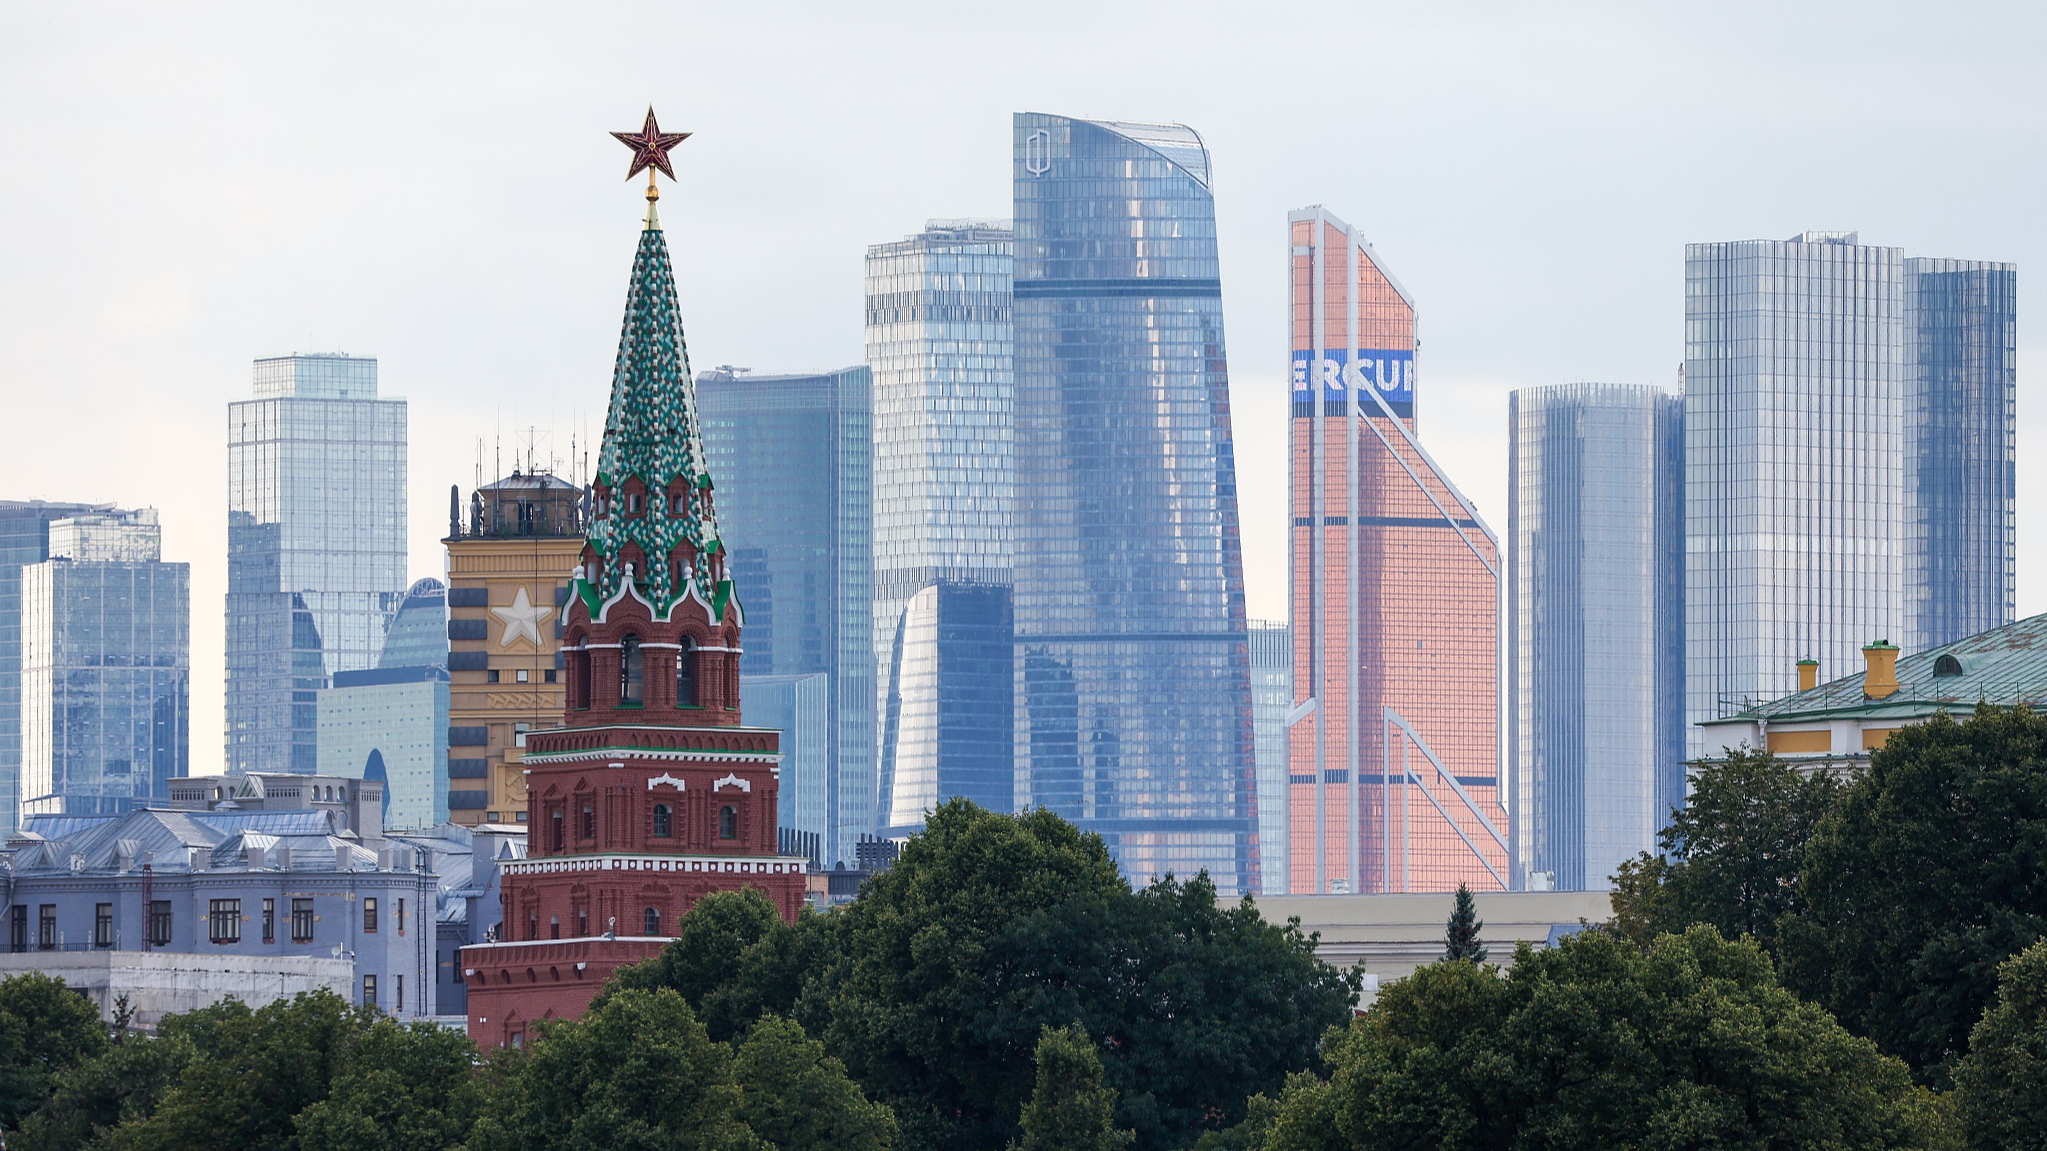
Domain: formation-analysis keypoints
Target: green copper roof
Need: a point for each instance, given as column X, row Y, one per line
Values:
column 651, row 433
column 2004, row 666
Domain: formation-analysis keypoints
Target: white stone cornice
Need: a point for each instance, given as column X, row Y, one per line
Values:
column 733, row 781
column 659, row 865
column 658, row 754
column 664, row 777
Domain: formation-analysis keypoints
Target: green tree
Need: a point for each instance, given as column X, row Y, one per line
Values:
column 398, row 1087
column 1599, row 1043
column 2001, row 1085
column 1929, row 874
column 45, row 1029
column 249, row 1074
column 1731, row 856
column 934, row 986
column 637, row 1073
column 799, row 1099
column 1460, row 935
column 92, row 1099
column 1069, row 1109
column 735, row 960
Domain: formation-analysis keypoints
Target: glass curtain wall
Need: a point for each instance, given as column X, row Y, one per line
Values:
column 1595, row 626
column 1961, row 413
column 1795, row 455
column 1394, row 776
column 940, row 344
column 791, row 454
column 24, row 539
column 316, row 547
column 1132, row 655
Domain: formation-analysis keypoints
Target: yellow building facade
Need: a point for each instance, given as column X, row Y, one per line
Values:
column 509, row 562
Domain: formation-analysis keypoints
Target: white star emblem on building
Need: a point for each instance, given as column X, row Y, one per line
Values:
column 523, row 618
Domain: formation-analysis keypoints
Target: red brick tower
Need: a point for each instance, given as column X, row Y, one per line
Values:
column 652, row 793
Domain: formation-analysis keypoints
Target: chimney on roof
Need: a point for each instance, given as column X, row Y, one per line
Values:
column 1880, row 678
column 1808, row 673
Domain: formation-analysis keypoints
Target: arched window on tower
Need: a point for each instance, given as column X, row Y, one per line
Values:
column 664, row 821
column 686, row 674
column 632, row 671
column 651, row 922
column 728, row 822
column 555, row 817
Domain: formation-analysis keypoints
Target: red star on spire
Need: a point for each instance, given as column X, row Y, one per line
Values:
column 650, row 146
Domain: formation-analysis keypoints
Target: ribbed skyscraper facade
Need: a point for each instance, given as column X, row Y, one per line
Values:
column 1133, row 664
column 316, row 547
column 1272, row 667
column 1595, row 626
column 1961, row 435
column 106, row 667
column 940, row 345
column 1395, row 598
column 793, row 455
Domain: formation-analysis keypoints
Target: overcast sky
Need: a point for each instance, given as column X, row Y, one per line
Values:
column 184, row 188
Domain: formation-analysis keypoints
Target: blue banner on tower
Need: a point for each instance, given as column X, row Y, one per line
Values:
column 1390, row 372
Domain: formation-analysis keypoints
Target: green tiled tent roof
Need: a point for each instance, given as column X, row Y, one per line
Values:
column 651, row 433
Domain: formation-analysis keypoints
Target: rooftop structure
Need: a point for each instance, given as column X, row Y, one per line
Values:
column 1833, row 726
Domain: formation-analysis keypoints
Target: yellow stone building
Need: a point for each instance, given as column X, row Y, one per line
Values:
column 509, row 561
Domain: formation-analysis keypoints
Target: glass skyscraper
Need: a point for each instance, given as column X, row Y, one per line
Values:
column 1395, row 597
column 791, row 456
column 106, row 667
column 24, row 539
column 940, row 344
column 1595, row 626
column 316, row 547
column 1961, row 447
column 1132, row 655
column 1272, row 658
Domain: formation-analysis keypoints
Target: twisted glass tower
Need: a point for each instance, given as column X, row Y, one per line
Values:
column 1132, row 653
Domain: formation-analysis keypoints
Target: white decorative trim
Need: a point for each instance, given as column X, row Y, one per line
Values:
column 667, row 779
column 659, row 755
column 671, row 864
column 733, row 781
column 625, row 588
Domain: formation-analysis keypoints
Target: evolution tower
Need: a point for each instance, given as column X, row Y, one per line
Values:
column 1395, row 779
column 652, row 794
column 1132, row 654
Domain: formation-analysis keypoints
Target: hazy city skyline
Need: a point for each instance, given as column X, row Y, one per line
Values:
column 1534, row 176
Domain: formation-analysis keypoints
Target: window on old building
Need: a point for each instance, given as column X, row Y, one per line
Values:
column 160, row 923
column 102, row 925
column 17, row 938
column 632, row 671
column 728, row 822
column 664, row 820
column 369, row 991
column 302, row 920
column 369, row 915
column 686, row 674
column 46, row 926
column 589, row 821
column 270, row 921
column 224, row 920
column 651, row 922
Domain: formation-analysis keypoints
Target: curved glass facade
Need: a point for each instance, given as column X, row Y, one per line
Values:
column 1132, row 654
column 1595, row 626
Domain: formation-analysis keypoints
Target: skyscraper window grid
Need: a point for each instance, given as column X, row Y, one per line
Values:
column 1794, row 463
column 1395, row 593
column 1961, row 417
column 1595, row 626
column 791, row 455
column 1134, row 708
column 940, row 344
column 316, row 547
